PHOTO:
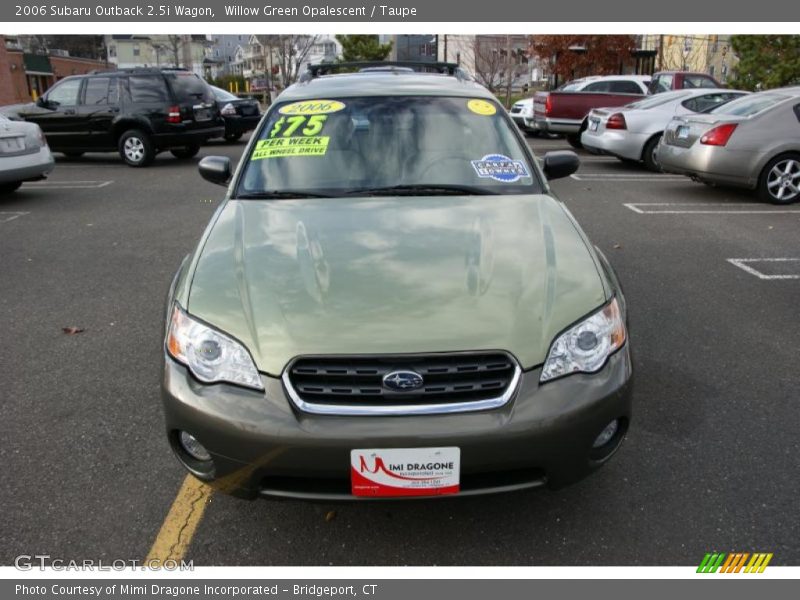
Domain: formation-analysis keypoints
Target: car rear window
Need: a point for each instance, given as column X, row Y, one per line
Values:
column 223, row 96
column 352, row 145
column 625, row 87
column 659, row 100
column 145, row 88
column 749, row 105
column 188, row 87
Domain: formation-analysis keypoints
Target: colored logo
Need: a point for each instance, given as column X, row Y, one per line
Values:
column 734, row 562
column 312, row 107
column 500, row 168
column 402, row 381
column 481, row 107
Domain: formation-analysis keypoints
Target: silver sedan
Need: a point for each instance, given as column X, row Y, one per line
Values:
column 752, row 142
column 633, row 132
column 24, row 154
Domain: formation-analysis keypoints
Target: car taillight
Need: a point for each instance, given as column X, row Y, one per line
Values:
column 616, row 121
column 719, row 135
column 174, row 115
column 548, row 105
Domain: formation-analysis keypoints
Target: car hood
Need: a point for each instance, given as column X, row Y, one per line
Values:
column 394, row 275
column 19, row 111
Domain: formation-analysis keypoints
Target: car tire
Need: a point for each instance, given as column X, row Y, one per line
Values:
column 136, row 148
column 779, row 182
column 186, row 151
column 648, row 154
column 72, row 154
column 233, row 137
column 8, row 188
column 574, row 140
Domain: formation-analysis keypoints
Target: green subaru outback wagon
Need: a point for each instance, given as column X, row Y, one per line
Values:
column 391, row 302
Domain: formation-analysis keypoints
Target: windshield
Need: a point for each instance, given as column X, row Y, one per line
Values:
column 749, row 105
column 365, row 145
column 222, row 95
column 658, row 100
column 572, row 86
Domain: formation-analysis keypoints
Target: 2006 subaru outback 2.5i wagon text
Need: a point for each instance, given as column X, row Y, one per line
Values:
column 391, row 302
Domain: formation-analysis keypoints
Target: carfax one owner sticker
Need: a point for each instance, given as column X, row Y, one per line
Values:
column 500, row 168
column 405, row 471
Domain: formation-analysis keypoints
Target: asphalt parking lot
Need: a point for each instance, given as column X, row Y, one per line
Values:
column 710, row 464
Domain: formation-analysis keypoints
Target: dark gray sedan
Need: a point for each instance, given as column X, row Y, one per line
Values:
column 752, row 142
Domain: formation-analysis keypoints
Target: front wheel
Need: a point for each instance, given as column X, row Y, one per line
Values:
column 574, row 140
column 780, row 180
column 7, row 188
column 136, row 149
column 185, row 152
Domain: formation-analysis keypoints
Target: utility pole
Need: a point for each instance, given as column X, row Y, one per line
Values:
column 509, row 69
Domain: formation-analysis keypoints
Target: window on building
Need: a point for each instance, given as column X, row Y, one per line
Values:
column 112, row 51
column 136, row 50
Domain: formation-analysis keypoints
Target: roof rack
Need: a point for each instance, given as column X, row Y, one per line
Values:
column 136, row 70
column 397, row 66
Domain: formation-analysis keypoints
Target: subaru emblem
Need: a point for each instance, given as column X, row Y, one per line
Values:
column 402, row 381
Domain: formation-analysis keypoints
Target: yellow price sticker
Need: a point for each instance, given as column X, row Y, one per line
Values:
column 481, row 107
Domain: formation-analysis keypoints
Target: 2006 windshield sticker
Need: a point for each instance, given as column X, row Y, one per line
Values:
column 500, row 168
column 312, row 107
column 291, row 146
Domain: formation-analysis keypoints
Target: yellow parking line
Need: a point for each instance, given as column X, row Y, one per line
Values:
column 181, row 522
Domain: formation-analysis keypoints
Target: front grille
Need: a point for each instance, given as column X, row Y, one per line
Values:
column 354, row 385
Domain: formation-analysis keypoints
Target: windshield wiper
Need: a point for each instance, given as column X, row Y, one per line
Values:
column 422, row 189
column 286, row 194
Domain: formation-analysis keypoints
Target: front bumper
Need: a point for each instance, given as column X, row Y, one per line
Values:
column 262, row 445
column 27, row 167
column 713, row 164
column 525, row 123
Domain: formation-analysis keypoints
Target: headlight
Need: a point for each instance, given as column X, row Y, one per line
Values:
column 228, row 110
column 584, row 347
column 34, row 138
column 210, row 355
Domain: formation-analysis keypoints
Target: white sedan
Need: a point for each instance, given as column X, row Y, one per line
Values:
column 632, row 132
column 24, row 154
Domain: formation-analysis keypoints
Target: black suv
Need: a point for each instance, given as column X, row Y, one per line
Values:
column 137, row 112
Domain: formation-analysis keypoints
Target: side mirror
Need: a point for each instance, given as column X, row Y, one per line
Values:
column 562, row 163
column 42, row 102
column 216, row 169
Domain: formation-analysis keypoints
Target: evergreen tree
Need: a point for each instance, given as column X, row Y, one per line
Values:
column 363, row 48
column 766, row 61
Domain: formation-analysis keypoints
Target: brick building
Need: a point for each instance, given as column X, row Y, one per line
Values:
column 23, row 76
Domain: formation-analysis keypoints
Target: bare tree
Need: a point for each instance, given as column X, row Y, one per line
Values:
column 490, row 60
column 287, row 53
column 174, row 47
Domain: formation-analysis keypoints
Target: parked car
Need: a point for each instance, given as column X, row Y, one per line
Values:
column 390, row 301
column 752, row 142
column 522, row 114
column 240, row 114
column 136, row 112
column 24, row 154
column 564, row 110
column 666, row 81
column 633, row 132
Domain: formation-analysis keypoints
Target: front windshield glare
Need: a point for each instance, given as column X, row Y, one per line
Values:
column 358, row 145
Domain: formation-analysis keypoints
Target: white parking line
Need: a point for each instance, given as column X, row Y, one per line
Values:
column 5, row 217
column 68, row 185
column 691, row 208
column 742, row 264
column 615, row 177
